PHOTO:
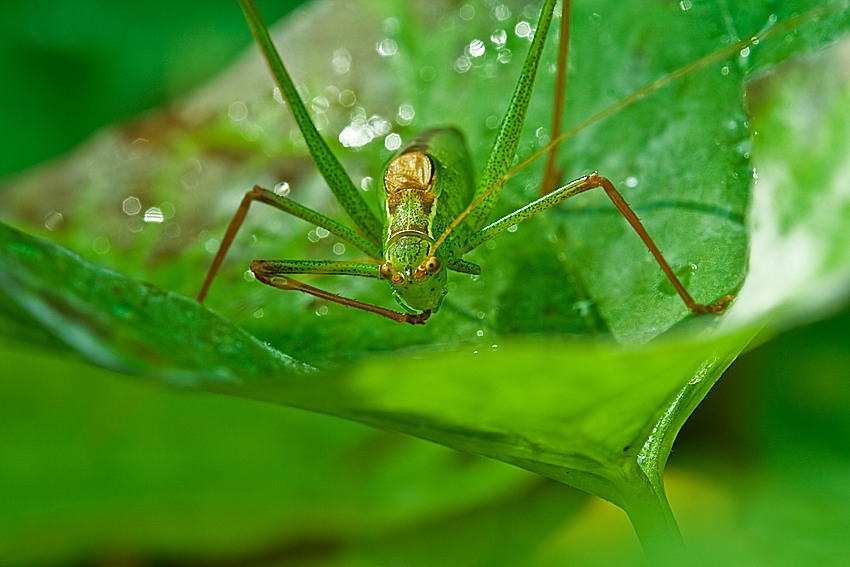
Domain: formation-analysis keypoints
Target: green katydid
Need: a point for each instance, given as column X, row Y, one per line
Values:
column 435, row 213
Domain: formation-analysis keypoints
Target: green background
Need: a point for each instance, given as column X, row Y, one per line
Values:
column 165, row 476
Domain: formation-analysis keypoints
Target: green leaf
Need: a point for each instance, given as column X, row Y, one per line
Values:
column 583, row 413
column 126, row 325
column 516, row 367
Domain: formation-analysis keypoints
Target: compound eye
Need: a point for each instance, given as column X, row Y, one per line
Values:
column 388, row 272
column 432, row 265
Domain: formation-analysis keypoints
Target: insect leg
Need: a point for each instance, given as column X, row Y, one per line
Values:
column 581, row 185
column 330, row 168
column 273, row 273
column 464, row 267
column 507, row 139
column 552, row 172
column 324, row 267
column 287, row 205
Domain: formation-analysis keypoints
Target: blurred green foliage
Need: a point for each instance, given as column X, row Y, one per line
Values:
column 71, row 67
column 95, row 467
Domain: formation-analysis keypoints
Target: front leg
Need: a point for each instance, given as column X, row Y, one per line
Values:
column 273, row 273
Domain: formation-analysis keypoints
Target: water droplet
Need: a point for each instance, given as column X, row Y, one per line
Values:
column 480, row 332
column 168, row 209
column 685, row 5
column 100, row 245
column 387, row 47
column 249, row 276
column 211, row 245
column 498, row 38
column 331, row 93
column 53, row 221
column 322, row 310
column 405, row 115
column 631, row 181
column 131, row 206
column 745, row 52
column 190, row 177
column 366, row 183
column 523, row 29
column 278, row 96
column 312, row 236
column 154, row 214
column 427, row 73
column 259, row 313
column 492, row 122
column 504, row 56
column 379, row 125
column 462, row 64
column 237, row 111
column 282, row 189
column 513, row 228
column 339, row 248
column 392, row 142
column 476, row 48
column 502, row 12
column 141, row 148
column 341, row 61
column 391, row 26
column 135, row 224
column 251, row 131
column 320, row 120
column 353, row 137
column 319, row 105
column 321, row 232
column 359, row 132
column 347, row 97
column 172, row 230
column 466, row 12
column 724, row 70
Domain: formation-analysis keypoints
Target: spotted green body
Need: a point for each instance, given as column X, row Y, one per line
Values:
column 427, row 186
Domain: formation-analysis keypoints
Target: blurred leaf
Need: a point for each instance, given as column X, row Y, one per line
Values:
column 107, row 70
column 95, row 465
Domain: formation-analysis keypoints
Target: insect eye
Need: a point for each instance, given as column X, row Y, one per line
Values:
column 432, row 265
column 386, row 271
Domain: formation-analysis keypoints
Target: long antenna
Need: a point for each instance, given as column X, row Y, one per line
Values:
column 658, row 84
